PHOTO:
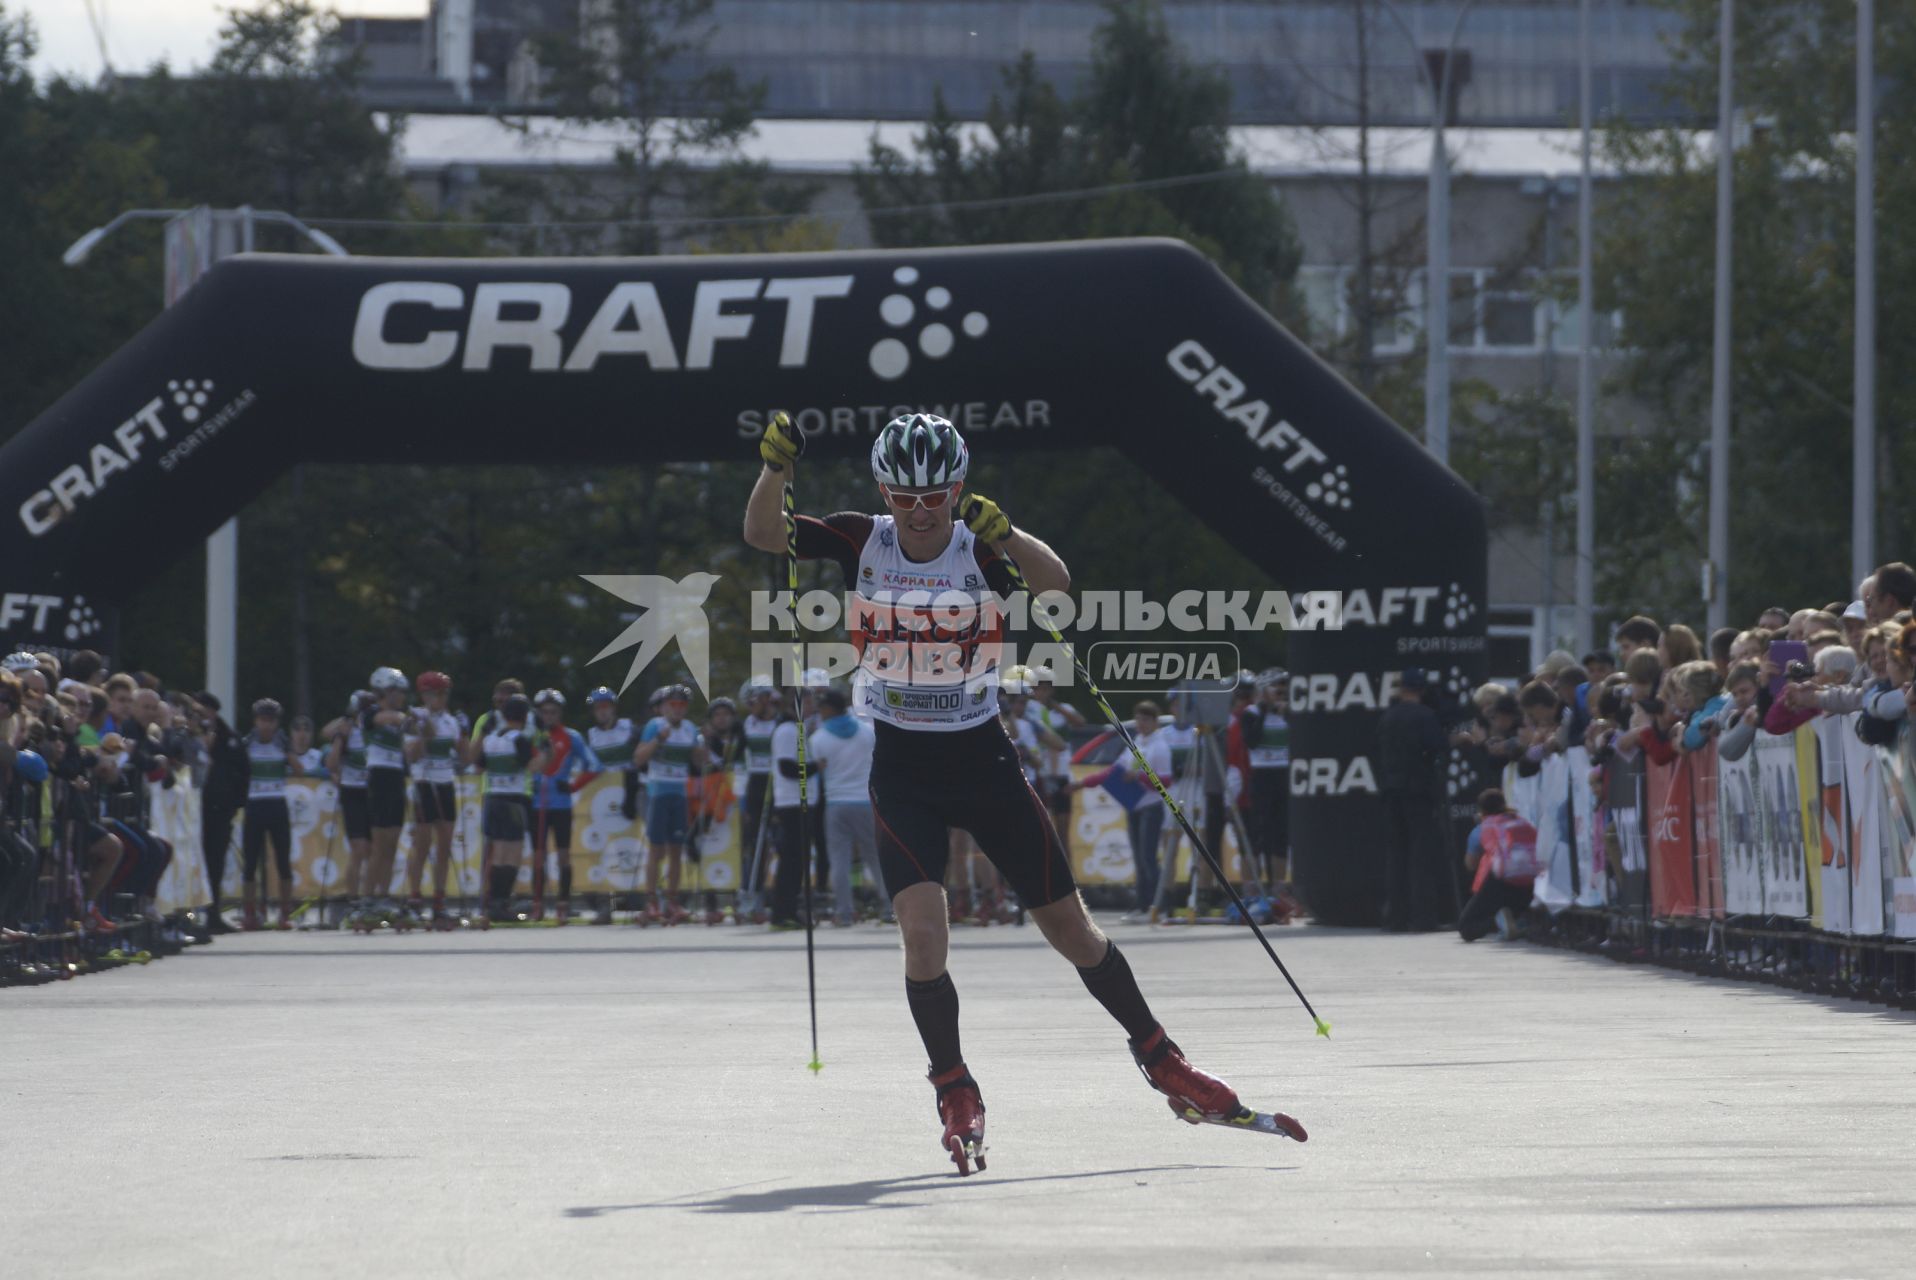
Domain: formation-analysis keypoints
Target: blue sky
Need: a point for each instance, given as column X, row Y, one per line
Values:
column 140, row 32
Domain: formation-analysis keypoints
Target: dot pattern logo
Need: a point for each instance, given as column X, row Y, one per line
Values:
column 1458, row 775
column 1456, row 683
column 1332, row 488
column 190, row 396
column 81, row 620
column 935, row 339
column 1459, row 608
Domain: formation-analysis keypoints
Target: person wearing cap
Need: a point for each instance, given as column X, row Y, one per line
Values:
column 432, row 745
column 1855, row 622
column 842, row 750
column 669, row 749
column 1410, row 748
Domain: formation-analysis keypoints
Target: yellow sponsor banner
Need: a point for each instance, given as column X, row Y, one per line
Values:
column 1809, row 806
column 1100, row 846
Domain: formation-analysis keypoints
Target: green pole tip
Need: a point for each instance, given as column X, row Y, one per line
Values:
column 815, row 1066
column 1323, row 1028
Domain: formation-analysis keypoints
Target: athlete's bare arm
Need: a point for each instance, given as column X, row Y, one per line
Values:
column 765, row 511
column 1042, row 567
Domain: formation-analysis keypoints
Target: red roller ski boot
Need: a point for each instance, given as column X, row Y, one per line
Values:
column 1199, row 1098
column 962, row 1109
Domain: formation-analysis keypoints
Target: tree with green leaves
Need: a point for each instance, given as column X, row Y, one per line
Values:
column 627, row 72
column 1794, row 290
column 1148, row 137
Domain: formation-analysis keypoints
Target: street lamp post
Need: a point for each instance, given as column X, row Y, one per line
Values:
column 1863, row 425
column 195, row 239
column 1717, row 575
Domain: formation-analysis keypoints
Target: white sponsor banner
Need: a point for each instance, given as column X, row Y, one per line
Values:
column 1586, row 830
column 1780, row 835
column 1741, row 818
column 1863, row 803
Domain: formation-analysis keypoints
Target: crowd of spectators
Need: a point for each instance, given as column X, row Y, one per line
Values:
column 1663, row 691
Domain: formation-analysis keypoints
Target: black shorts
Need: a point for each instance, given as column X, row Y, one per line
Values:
column 923, row 784
column 354, row 813
column 556, row 823
column 434, row 802
column 504, row 817
column 386, row 797
column 267, row 819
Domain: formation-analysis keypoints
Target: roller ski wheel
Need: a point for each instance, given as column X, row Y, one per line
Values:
column 648, row 917
column 676, row 914
column 1197, row 1097
column 713, row 917
column 962, row 1110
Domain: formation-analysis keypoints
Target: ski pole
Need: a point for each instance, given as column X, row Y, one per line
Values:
column 804, row 843
column 1018, row 581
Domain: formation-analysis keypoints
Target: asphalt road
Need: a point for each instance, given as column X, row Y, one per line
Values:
column 613, row 1101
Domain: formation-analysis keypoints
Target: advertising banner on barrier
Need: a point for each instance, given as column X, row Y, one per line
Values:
column 1625, row 811
column 1809, row 813
column 1586, row 821
column 1782, row 863
column 1704, row 831
column 1556, row 884
column 1739, row 813
column 1899, row 832
column 1832, row 873
column 1863, row 832
column 1672, row 845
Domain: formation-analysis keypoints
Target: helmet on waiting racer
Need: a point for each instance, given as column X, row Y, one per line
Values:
column 600, row 694
column 756, row 687
column 552, row 696
column 432, row 681
column 919, row 451
column 1016, row 681
column 388, row 678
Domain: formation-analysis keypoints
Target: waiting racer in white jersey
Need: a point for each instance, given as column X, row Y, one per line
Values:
column 669, row 748
column 384, row 725
column 508, row 755
column 270, row 762
column 941, row 762
column 760, row 700
column 433, row 746
column 346, row 760
column 613, row 738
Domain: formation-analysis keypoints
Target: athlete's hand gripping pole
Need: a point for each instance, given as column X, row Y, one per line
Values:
column 780, row 449
column 1018, row 581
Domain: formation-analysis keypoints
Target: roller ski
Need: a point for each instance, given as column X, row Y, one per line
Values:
column 1200, row 1098
column 962, row 1109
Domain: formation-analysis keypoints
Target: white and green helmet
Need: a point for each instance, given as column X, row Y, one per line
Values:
column 919, row 451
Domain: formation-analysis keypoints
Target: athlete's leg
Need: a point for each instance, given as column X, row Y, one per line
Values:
column 279, row 831
column 252, row 862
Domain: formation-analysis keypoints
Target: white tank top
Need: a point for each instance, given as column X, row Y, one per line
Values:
column 925, row 673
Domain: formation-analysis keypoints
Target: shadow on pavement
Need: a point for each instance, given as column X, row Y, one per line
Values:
column 871, row 1194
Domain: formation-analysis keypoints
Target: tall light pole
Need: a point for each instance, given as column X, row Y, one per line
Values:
column 1862, row 534
column 1717, row 570
column 195, row 239
column 1438, row 68
column 1586, row 427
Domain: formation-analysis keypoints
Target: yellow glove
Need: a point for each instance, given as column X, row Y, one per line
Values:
column 982, row 517
column 781, row 443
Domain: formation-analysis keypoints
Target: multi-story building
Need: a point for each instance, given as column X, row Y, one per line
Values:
column 839, row 72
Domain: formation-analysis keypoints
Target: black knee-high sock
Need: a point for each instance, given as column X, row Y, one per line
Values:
column 565, row 875
column 1111, row 982
column 502, row 881
column 934, row 1007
